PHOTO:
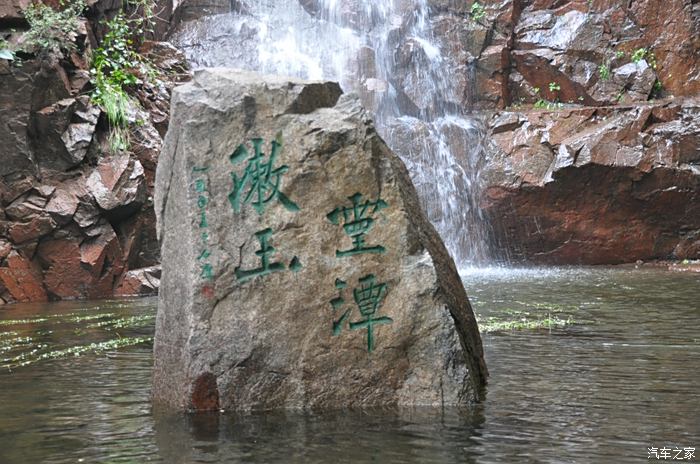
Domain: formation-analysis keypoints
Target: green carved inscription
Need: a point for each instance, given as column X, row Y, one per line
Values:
column 357, row 220
column 200, row 187
column 368, row 297
column 260, row 182
column 266, row 267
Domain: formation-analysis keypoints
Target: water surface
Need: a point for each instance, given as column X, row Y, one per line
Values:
column 613, row 369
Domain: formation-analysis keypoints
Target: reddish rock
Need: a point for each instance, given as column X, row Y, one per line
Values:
column 22, row 279
column 66, row 130
column 567, row 42
column 38, row 226
column 64, row 277
column 87, row 269
column 10, row 191
column 588, row 186
column 59, row 193
column 11, row 10
column 102, row 256
column 64, row 202
column 118, row 185
column 25, row 206
column 5, row 249
column 140, row 282
column 16, row 90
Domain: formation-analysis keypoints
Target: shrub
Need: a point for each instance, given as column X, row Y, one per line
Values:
column 53, row 31
column 477, row 11
column 644, row 54
column 115, row 66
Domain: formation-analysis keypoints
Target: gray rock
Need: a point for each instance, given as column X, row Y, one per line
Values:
column 86, row 214
column 64, row 202
column 140, row 282
column 67, row 127
column 25, row 206
column 260, row 301
column 118, row 184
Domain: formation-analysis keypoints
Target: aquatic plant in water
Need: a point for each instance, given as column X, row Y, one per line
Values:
column 33, row 356
column 493, row 324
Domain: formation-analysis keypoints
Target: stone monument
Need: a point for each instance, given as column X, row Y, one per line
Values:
column 299, row 270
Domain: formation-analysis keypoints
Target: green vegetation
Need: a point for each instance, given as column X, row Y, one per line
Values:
column 639, row 55
column 543, row 103
column 34, row 320
column 53, row 31
column 644, row 54
column 477, row 11
column 25, row 359
column 115, row 66
column 604, row 72
column 125, row 322
column 493, row 324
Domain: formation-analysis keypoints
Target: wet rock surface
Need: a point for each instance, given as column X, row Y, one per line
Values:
column 596, row 185
column 298, row 268
column 597, row 52
column 76, row 219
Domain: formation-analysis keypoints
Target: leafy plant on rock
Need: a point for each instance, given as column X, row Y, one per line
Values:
column 477, row 11
column 115, row 66
column 644, row 54
column 543, row 103
column 53, row 31
column 604, row 71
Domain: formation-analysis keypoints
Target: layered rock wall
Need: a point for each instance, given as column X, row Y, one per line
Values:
column 596, row 148
column 77, row 220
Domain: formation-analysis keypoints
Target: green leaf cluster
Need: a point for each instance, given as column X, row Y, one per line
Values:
column 53, row 31
column 644, row 54
column 477, row 11
column 115, row 66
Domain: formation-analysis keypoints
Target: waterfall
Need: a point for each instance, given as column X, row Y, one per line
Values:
column 388, row 53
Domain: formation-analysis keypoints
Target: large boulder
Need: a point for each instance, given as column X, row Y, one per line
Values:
column 298, row 268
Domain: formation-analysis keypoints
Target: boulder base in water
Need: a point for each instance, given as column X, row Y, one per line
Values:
column 298, row 268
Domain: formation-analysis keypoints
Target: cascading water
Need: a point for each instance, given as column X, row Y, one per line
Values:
column 384, row 50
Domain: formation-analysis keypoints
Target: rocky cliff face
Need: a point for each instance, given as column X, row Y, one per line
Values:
column 596, row 185
column 595, row 156
column 595, row 120
column 77, row 221
column 584, row 167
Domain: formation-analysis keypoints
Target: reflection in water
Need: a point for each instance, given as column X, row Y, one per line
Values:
column 623, row 376
column 416, row 435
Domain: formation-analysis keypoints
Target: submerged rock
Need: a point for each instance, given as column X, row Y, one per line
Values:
column 298, row 268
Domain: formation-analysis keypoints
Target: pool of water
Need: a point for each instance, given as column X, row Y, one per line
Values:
column 587, row 365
